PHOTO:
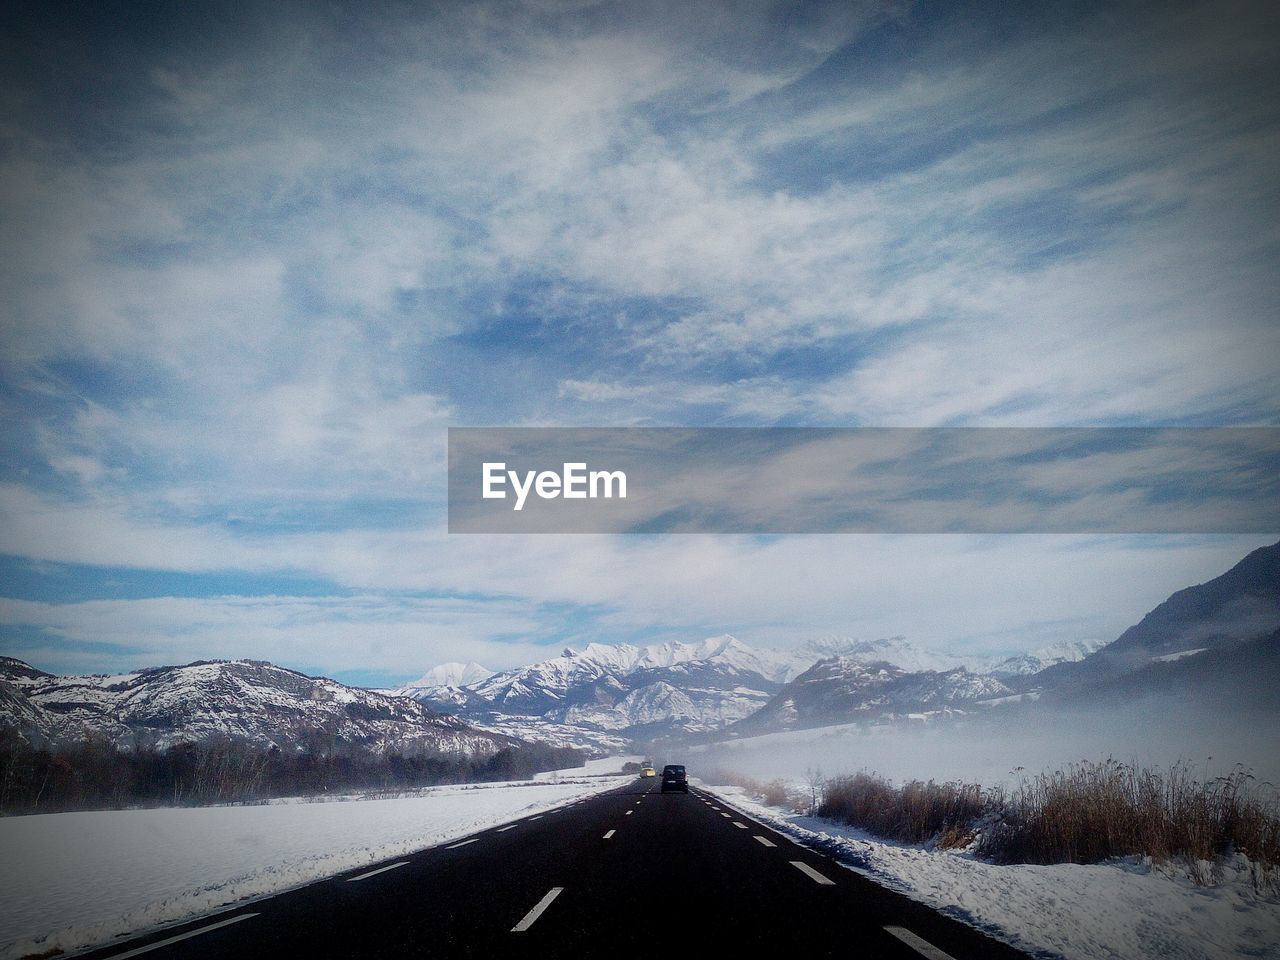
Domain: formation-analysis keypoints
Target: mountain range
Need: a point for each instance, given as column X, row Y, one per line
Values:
column 1217, row 640
column 1187, row 645
column 244, row 700
column 606, row 696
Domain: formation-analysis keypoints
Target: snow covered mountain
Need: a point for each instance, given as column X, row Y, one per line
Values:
column 897, row 651
column 1215, row 642
column 443, row 685
column 245, row 700
column 847, row 689
column 448, row 675
column 625, row 690
column 619, row 692
column 1238, row 608
column 1028, row 664
column 605, row 674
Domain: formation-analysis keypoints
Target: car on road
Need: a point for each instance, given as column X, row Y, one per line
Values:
column 648, row 772
column 674, row 779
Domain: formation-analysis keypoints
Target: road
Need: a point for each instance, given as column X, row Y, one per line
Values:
column 628, row 873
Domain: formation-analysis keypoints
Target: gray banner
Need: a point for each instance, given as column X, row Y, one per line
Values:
column 864, row 480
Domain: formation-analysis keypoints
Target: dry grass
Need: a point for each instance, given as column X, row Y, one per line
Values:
column 1093, row 811
column 1087, row 813
column 944, row 813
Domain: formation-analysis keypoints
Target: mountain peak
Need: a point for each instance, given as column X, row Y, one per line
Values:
column 452, row 674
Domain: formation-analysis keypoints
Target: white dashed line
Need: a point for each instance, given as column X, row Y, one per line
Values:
column 765, row 841
column 455, row 846
column 739, row 825
column 812, row 874
column 182, row 936
column 374, row 873
column 531, row 819
column 919, row 945
column 610, row 834
column 630, row 812
column 726, row 815
column 505, row 829
column 536, row 912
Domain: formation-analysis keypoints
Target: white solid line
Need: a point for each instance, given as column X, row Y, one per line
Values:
column 740, row 826
column 505, row 829
column 812, row 874
column 920, row 946
column 610, row 834
column 455, row 846
column 374, row 873
column 182, row 936
column 536, row 912
column 766, row 841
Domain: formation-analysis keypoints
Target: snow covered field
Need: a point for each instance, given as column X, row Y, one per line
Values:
column 1101, row 912
column 73, row 879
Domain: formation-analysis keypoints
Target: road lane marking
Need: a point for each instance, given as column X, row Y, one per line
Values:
column 766, row 841
column 610, row 834
column 455, row 846
column 531, row 819
column 182, row 936
column 629, row 812
column 812, row 874
column 505, row 829
column 713, row 807
column 918, row 944
column 740, row 825
column 726, row 815
column 374, row 873
column 536, row 912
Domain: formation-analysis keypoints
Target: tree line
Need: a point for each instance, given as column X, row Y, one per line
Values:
column 96, row 775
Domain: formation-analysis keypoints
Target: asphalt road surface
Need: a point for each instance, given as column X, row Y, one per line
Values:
column 629, row 873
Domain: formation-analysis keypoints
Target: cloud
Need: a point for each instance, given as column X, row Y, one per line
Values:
column 369, row 633
column 254, row 267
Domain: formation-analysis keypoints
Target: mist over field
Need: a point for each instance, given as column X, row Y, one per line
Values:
column 1001, row 750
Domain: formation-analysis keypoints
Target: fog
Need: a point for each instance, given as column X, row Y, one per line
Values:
column 1211, row 739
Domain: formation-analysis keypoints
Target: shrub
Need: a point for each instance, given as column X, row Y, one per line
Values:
column 775, row 793
column 1086, row 813
column 913, row 813
column 1090, row 812
column 96, row 775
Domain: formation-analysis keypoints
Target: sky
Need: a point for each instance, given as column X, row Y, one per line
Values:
column 258, row 257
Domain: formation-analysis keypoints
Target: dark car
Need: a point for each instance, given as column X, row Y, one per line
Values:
column 673, row 778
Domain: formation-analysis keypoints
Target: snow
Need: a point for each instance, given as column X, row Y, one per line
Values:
column 447, row 675
column 552, row 678
column 74, row 879
column 1170, row 657
column 246, row 700
column 1128, row 909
